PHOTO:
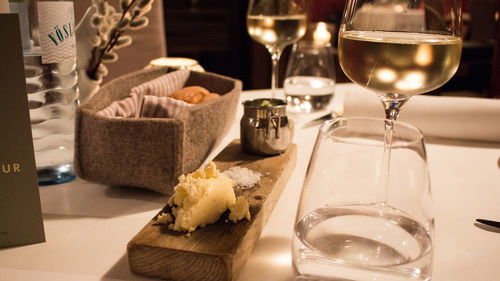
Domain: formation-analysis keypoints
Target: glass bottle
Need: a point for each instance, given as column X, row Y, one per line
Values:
column 310, row 75
column 49, row 49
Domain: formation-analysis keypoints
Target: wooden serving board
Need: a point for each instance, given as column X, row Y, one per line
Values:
column 217, row 251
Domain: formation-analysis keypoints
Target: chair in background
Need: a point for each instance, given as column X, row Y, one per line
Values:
column 495, row 72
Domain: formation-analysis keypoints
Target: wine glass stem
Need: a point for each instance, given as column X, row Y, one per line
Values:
column 392, row 107
column 275, row 57
column 386, row 163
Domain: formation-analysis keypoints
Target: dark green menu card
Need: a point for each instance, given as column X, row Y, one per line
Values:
column 21, row 219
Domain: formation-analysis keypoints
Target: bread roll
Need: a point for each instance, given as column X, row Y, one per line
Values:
column 209, row 96
column 191, row 94
column 194, row 95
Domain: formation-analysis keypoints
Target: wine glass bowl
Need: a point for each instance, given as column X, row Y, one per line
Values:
column 276, row 32
column 276, row 24
column 401, row 63
column 398, row 48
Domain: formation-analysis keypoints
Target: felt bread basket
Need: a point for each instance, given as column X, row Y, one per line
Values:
column 151, row 153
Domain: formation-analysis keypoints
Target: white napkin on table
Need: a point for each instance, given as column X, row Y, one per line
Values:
column 463, row 118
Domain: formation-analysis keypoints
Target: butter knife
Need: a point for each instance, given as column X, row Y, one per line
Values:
column 489, row 222
column 321, row 120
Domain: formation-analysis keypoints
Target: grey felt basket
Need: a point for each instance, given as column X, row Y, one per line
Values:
column 151, row 152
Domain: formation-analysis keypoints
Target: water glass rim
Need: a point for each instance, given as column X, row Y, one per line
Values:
column 325, row 128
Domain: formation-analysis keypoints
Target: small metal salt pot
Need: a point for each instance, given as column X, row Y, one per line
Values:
column 264, row 127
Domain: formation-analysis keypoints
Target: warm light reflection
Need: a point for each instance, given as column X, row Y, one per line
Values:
column 268, row 22
column 269, row 36
column 386, row 75
column 321, row 34
column 424, row 55
column 282, row 259
column 411, row 81
column 398, row 8
column 317, row 84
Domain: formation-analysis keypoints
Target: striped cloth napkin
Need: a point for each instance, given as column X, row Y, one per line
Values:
column 160, row 107
column 151, row 99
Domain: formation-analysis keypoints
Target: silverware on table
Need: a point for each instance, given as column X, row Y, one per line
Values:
column 322, row 119
column 489, row 222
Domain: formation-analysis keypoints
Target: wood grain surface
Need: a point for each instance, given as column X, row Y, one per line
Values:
column 217, row 251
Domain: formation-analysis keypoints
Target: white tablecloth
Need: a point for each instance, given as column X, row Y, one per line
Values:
column 88, row 225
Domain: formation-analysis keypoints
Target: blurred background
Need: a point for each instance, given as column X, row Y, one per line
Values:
column 214, row 33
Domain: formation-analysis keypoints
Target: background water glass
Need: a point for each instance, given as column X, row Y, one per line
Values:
column 310, row 75
column 342, row 230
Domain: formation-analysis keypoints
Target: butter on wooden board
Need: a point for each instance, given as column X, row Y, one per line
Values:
column 217, row 251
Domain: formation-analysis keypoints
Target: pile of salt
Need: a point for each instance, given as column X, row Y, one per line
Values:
column 243, row 177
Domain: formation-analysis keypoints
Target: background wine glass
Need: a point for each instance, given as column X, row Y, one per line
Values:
column 400, row 48
column 276, row 24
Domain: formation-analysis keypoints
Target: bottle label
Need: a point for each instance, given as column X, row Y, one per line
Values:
column 57, row 33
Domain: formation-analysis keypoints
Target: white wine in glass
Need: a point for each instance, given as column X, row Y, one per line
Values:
column 276, row 24
column 397, row 49
column 399, row 62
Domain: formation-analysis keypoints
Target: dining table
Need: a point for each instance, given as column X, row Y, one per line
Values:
column 88, row 225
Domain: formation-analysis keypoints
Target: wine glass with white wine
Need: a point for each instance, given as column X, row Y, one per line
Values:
column 276, row 24
column 399, row 48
